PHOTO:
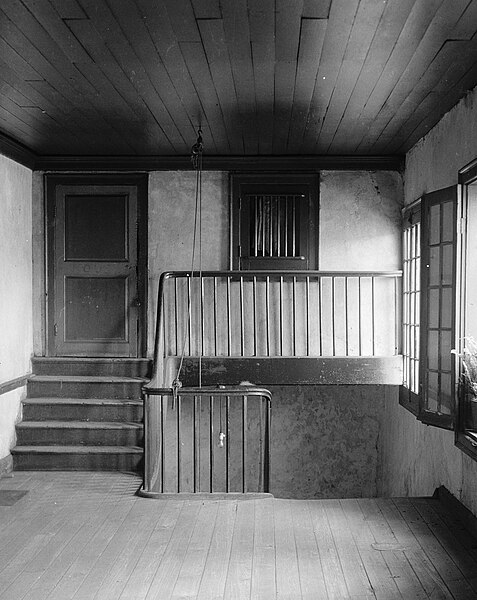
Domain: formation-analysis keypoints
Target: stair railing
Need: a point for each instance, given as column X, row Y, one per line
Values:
column 277, row 314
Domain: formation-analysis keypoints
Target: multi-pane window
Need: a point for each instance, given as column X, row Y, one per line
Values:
column 409, row 394
column 429, row 307
column 438, row 310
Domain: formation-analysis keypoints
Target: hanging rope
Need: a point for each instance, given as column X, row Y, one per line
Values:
column 196, row 159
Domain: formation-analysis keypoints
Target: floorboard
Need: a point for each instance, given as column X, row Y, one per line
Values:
column 88, row 536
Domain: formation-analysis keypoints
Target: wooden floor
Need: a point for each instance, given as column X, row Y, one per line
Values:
column 88, row 536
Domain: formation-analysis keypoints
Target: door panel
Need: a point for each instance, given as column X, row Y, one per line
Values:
column 95, row 271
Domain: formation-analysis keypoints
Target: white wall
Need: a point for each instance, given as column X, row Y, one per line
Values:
column 15, row 290
column 418, row 458
column 434, row 162
column 171, row 227
column 360, row 221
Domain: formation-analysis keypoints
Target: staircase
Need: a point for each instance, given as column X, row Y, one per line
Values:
column 82, row 414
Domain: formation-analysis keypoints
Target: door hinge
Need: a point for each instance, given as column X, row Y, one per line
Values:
column 55, row 329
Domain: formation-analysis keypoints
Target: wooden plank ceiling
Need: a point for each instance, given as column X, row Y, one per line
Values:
column 261, row 77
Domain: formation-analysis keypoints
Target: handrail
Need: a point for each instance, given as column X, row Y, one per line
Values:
column 279, row 313
column 204, row 439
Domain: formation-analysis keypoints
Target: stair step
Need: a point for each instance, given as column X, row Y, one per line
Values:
column 119, row 367
column 77, row 458
column 82, row 409
column 81, row 386
column 76, row 433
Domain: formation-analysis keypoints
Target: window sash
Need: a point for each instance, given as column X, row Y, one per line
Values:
column 466, row 426
column 409, row 391
column 438, row 308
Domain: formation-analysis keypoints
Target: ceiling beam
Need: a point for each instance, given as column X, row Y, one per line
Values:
column 19, row 153
column 220, row 163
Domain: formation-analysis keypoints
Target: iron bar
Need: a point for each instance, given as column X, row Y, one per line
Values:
column 162, row 400
column 242, row 323
column 196, row 446
column 189, row 320
column 216, row 329
column 294, row 316
column 179, row 443
column 267, row 312
column 307, row 316
column 227, row 443
column 229, row 320
column 346, row 292
column 211, row 443
column 176, row 318
column 372, row 317
column 333, row 330
column 244, row 444
column 281, row 317
column 254, row 309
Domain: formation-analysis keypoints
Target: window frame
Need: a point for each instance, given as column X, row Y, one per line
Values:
column 269, row 183
column 409, row 392
column 467, row 176
column 426, row 415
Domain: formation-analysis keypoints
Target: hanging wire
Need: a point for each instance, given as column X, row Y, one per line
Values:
column 196, row 159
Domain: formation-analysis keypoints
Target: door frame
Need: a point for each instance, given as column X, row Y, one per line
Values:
column 140, row 181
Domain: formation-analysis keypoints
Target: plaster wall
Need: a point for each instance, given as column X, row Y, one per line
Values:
column 324, row 440
column 418, row 458
column 16, row 338
column 171, row 228
column 360, row 221
column 434, row 162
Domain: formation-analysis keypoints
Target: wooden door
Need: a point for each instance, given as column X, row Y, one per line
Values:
column 96, row 300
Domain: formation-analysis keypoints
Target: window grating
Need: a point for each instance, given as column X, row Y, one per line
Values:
column 275, row 225
column 411, row 303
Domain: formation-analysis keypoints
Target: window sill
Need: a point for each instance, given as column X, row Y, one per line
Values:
column 467, row 442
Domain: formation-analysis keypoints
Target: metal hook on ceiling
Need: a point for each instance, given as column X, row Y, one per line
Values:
column 197, row 149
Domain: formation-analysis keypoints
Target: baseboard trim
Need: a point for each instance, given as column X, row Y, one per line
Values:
column 6, row 465
column 13, row 384
column 455, row 506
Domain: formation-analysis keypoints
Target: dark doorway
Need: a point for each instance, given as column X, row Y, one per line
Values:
column 97, row 249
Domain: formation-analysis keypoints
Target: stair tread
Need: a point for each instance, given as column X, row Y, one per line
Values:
column 87, row 378
column 78, row 449
column 79, row 424
column 76, row 359
column 94, row 401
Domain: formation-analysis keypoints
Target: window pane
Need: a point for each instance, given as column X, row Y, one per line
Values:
column 448, row 224
column 433, row 308
column 446, row 393
column 446, row 347
column 433, row 392
column 435, row 224
column 446, row 307
column 470, row 409
column 447, row 260
column 434, row 266
column 433, row 350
